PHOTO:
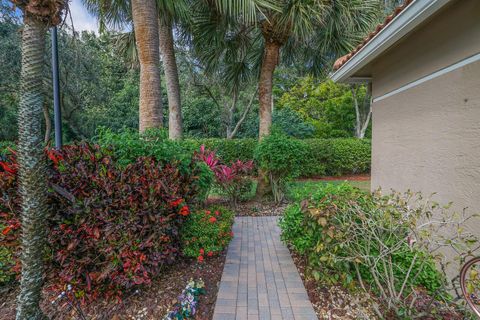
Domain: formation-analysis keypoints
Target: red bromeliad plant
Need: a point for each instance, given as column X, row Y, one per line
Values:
column 233, row 179
column 209, row 157
column 111, row 228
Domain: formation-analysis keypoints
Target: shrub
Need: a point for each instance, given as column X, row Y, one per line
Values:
column 337, row 157
column 111, row 227
column 388, row 244
column 282, row 158
column 5, row 146
column 227, row 150
column 322, row 156
column 128, row 145
column 232, row 180
column 207, row 232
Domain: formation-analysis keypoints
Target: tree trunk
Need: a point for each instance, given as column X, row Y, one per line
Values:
column 32, row 176
column 171, row 75
column 232, row 134
column 48, row 123
column 265, row 86
column 231, row 114
column 361, row 120
column 145, row 22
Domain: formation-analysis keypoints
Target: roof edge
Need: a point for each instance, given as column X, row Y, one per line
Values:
column 407, row 20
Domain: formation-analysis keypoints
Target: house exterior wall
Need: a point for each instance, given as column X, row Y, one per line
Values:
column 427, row 138
column 450, row 36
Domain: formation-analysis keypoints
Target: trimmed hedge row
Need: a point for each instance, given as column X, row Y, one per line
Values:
column 228, row 150
column 323, row 156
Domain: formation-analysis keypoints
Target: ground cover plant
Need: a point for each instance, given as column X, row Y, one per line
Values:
column 390, row 246
column 207, row 232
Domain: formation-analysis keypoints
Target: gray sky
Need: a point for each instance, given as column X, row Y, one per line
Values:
column 82, row 20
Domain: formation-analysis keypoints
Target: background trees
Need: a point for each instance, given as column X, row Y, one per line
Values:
column 100, row 84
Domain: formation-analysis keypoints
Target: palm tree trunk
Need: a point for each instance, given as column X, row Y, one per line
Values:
column 171, row 76
column 32, row 176
column 265, row 86
column 144, row 13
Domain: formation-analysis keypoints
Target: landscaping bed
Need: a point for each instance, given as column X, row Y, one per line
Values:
column 148, row 302
column 334, row 302
column 366, row 256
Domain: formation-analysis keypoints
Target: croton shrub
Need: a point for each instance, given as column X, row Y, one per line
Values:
column 207, row 232
column 110, row 227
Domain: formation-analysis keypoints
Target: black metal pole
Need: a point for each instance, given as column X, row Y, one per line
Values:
column 56, row 91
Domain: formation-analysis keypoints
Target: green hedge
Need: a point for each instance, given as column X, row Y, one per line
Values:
column 323, row 156
column 337, row 157
column 227, row 149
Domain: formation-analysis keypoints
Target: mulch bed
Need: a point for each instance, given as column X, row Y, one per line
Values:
column 252, row 208
column 148, row 302
column 334, row 302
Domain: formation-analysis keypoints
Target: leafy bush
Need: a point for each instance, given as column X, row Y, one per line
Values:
column 337, row 157
column 322, row 156
column 5, row 146
column 292, row 124
column 282, row 158
column 386, row 244
column 111, row 227
column 207, row 232
column 233, row 180
column 129, row 145
column 227, row 150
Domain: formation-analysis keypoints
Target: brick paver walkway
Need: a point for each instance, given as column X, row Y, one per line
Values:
column 260, row 280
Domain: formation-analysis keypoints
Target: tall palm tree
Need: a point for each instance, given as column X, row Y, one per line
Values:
column 145, row 23
column 37, row 17
column 169, row 11
column 117, row 12
column 143, row 14
column 334, row 24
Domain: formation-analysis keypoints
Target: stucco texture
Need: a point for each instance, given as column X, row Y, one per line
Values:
column 427, row 139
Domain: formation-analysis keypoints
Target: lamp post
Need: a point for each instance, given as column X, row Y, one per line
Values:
column 56, row 91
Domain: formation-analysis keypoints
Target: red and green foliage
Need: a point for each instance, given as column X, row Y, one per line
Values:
column 234, row 179
column 207, row 232
column 111, row 227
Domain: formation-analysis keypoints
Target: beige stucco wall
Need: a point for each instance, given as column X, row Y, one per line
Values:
column 447, row 38
column 427, row 138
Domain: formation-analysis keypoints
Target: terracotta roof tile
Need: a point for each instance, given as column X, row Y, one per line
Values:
column 342, row 60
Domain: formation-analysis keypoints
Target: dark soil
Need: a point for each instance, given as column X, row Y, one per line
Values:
column 148, row 302
column 334, row 302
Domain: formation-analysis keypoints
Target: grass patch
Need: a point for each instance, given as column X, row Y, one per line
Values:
column 299, row 190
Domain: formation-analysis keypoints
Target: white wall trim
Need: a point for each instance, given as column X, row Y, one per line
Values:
column 412, row 16
column 429, row 77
